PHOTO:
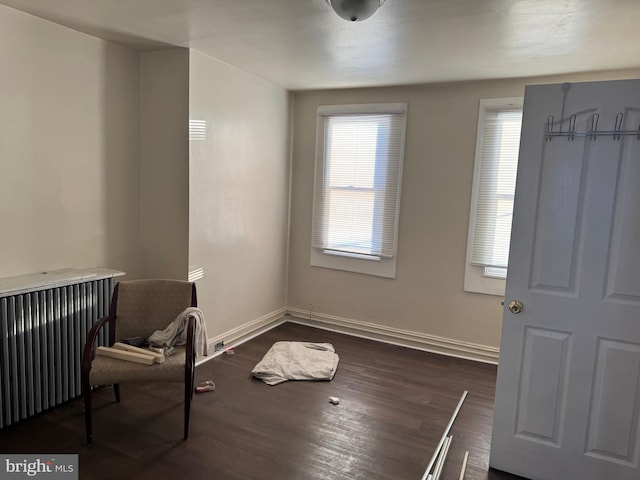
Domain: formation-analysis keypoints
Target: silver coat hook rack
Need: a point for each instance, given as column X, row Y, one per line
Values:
column 592, row 133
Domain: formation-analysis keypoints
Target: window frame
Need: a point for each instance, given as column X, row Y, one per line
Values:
column 475, row 279
column 382, row 266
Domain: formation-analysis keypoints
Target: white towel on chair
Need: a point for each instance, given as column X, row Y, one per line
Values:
column 176, row 333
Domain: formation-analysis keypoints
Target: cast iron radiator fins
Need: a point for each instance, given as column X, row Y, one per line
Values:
column 42, row 335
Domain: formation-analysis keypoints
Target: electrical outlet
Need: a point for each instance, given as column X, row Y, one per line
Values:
column 218, row 346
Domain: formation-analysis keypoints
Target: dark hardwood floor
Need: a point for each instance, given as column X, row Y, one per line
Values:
column 394, row 405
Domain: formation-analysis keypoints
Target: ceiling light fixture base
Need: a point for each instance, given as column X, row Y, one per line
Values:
column 355, row 10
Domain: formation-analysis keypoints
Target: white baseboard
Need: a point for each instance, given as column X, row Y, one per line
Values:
column 396, row 336
column 236, row 336
column 358, row 328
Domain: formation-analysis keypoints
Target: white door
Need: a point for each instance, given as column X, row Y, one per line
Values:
column 568, row 391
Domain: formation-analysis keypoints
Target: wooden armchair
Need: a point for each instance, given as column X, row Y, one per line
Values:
column 138, row 308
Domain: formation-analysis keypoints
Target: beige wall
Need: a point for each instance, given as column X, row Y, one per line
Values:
column 164, row 164
column 427, row 295
column 238, row 193
column 69, row 147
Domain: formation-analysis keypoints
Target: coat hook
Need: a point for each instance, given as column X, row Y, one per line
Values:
column 565, row 88
column 618, row 127
column 549, row 127
column 572, row 127
column 594, row 125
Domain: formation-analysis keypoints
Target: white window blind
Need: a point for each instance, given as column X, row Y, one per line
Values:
column 359, row 151
column 498, row 155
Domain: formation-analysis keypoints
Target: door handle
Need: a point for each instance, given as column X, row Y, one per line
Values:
column 516, row 306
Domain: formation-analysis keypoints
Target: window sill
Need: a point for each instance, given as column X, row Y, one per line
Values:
column 376, row 266
column 369, row 258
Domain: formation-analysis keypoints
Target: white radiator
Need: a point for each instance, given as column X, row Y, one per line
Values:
column 44, row 321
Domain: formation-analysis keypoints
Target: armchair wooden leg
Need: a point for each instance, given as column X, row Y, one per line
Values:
column 188, row 393
column 116, row 390
column 86, row 394
column 189, row 368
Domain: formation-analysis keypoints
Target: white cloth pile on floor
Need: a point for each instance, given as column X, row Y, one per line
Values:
column 176, row 332
column 297, row 361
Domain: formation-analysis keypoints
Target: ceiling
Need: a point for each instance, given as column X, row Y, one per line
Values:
column 303, row 44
